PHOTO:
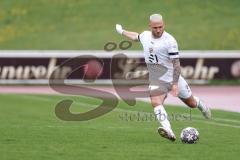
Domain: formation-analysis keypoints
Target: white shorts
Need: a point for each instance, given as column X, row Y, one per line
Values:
column 183, row 88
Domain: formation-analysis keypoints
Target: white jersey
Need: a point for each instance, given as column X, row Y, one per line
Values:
column 160, row 51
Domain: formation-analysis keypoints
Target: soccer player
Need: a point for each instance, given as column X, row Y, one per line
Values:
column 162, row 58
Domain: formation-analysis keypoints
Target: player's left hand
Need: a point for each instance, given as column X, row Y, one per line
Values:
column 174, row 90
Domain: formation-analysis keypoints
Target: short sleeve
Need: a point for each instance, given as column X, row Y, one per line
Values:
column 173, row 49
column 141, row 36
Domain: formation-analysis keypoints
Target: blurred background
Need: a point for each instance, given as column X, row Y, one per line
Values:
column 88, row 24
column 63, row 41
column 36, row 37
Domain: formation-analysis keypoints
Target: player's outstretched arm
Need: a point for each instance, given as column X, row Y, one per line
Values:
column 129, row 34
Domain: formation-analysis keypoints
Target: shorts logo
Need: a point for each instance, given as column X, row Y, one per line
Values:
column 187, row 87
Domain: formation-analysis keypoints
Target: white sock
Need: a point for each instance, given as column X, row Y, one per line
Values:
column 161, row 115
column 200, row 105
column 197, row 100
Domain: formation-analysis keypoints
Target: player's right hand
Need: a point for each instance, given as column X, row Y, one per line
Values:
column 119, row 28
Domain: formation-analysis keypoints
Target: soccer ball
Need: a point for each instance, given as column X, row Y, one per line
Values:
column 189, row 135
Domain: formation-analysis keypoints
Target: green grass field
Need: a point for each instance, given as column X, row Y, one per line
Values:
column 30, row 130
column 88, row 24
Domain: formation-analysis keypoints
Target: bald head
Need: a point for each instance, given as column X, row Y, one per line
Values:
column 156, row 25
column 156, row 18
